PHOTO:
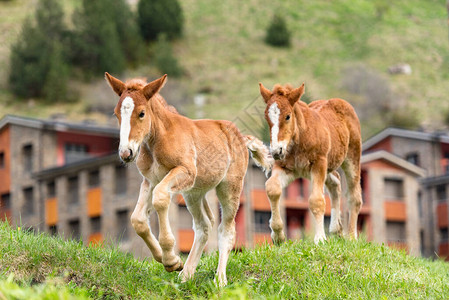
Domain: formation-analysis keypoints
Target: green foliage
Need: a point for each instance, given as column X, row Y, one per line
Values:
column 277, row 33
column 160, row 16
column 404, row 118
column 96, row 45
column 39, row 53
column 164, row 59
column 336, row 269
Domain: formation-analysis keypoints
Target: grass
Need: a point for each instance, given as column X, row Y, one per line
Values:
column 335, row 269
column 223, row 53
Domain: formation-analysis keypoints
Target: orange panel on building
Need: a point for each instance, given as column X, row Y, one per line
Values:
column 95, row 238
column 94, row 202
column 5, row 178
column 262, row 238
column 51, row 211
column 442, row 215
column 185, row 239
column 6, row 215
column 395, row 211
column 260, row 200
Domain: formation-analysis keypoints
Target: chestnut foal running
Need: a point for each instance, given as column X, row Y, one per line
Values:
column 178, row 155
column 313, row 141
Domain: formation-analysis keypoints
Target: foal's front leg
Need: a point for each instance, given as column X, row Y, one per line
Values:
column 139, row 220
column 274, row 185
column 177, row 180
column 317, row 203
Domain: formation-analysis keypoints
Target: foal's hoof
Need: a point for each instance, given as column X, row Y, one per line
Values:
column 278, row 238
column 178, row 266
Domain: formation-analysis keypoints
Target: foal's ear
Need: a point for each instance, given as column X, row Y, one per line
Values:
column 115, row 83
column 296, row 94
column 266, row 93
column 154, row 87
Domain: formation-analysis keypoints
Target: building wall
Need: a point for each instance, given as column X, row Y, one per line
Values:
column 385, row 209
column 429, row 153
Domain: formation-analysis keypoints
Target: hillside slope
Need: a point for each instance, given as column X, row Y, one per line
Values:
column 224, row 56
column 335, row 269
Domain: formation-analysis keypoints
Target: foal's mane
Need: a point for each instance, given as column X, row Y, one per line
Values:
column 137, row 84
column 282, row 90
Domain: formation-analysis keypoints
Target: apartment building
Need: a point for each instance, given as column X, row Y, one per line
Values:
column 430, row 152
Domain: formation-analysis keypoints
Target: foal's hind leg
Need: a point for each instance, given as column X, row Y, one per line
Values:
column 274, row 185
column 228, row 194
column 352, row 173
column 333, row 185
column 317, row 203
column 202, row 225
column 139, row 220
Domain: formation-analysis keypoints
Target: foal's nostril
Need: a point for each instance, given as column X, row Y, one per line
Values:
column 280, row 151
column 130, row 153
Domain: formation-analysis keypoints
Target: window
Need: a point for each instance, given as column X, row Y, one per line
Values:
column 27, row 153
column 120, row 180
column 51, row 189
column 394, row 188
column 444, row 235
column 74, row 152
column 95, row 224
column 94, row 179
column 396, row 232
column 75, row 229
column 413, row 158
column 73, row 190
column 53, row 230
column 261, row 221
column 2, row 160
column 441, row 192
column 122, row 222
column 28, row 197
column 5, row 202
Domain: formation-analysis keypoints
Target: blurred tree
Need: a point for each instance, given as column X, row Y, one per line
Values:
column 164, row 59
column 160, row 16
column 278, row 34
column 96, row 45
column 38, row 50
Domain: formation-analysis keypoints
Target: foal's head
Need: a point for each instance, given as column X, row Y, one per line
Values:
column 280, row 117
column 132, row 112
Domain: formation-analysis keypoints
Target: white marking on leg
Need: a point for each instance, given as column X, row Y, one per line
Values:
column 320, row 235
column 273, row 114
column 335, row 217
column 126, row 111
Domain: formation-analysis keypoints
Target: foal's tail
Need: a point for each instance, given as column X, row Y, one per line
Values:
column 259, row 153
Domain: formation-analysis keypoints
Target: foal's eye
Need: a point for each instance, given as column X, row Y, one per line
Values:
column 287, row 117
column 142, row 114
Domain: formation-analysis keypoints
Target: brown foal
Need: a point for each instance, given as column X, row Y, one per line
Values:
column 313, row 141
column 175, row 155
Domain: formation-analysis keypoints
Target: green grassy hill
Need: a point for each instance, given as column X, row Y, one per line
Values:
column 49, row 268
column 337, row 46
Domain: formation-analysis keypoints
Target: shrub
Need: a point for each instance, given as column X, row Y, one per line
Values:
column 164, row 59
column 160, row 16
column 96, row 44
column 278, row 34
column 39, row 52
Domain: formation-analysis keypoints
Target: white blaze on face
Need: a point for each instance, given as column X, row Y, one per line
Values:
column 273, row 114
column 125, row 127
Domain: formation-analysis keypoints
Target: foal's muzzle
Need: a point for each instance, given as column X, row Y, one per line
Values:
column 278, row 153
column 126, row 155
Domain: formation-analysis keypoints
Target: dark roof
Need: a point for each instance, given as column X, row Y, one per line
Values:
column 442, row 137
column 437, row 180
column 393, row 159
column 59, row 126
column 91, row 162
